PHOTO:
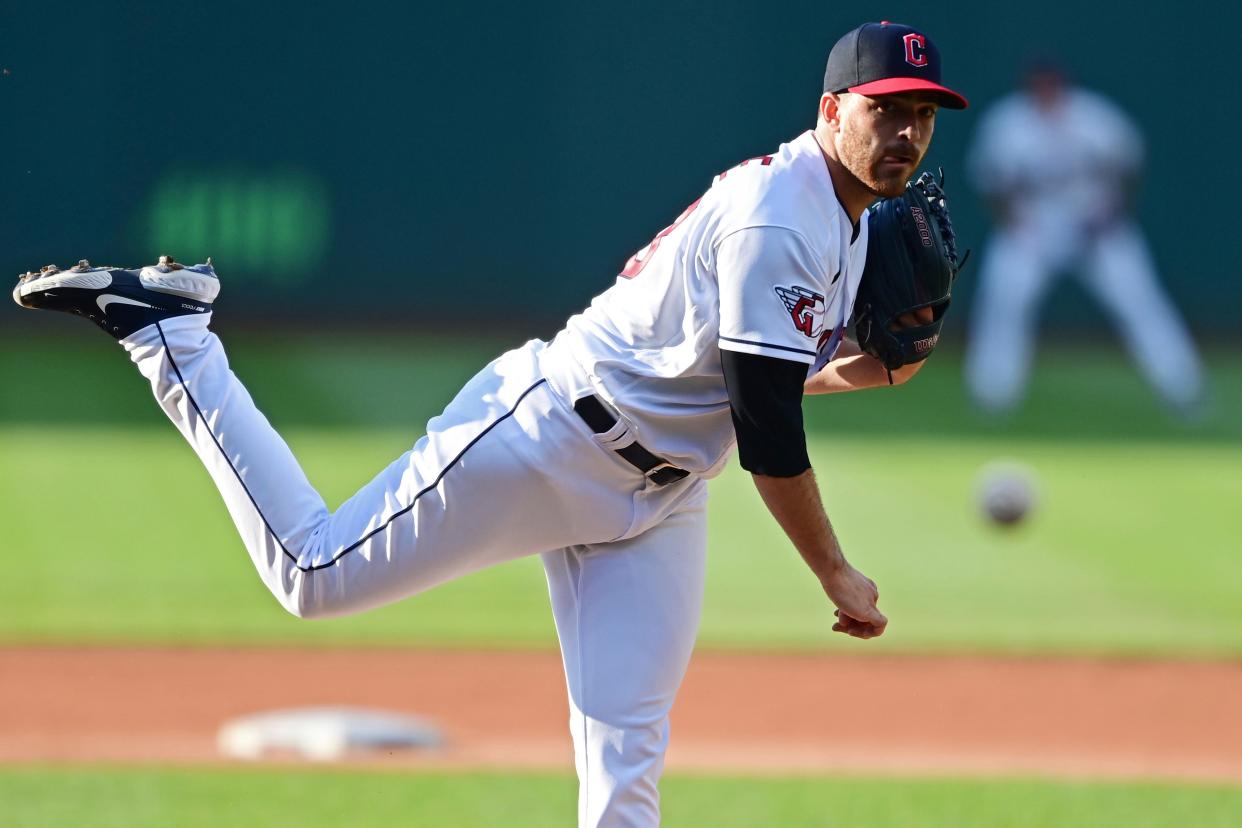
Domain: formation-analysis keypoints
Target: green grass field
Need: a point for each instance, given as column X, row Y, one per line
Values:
column 115, row 535
column 53, row 798
column 119, row 536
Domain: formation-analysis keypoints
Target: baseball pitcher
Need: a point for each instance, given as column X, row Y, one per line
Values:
column 593, row 450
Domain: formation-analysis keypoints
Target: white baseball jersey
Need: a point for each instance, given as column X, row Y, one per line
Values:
column 766, row 262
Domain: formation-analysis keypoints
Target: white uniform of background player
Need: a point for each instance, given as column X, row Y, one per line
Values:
column 510, row 470
column 592, row 450
column 1059, row 163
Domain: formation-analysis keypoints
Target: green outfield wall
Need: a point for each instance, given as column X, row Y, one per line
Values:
column 472, row 163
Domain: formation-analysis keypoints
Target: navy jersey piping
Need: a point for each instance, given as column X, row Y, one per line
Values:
column 373, row 532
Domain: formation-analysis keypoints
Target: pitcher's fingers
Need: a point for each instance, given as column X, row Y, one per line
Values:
column 868, row 613
column 853, row 626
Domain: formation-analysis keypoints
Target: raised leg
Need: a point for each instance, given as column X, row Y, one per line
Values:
column 487, row 483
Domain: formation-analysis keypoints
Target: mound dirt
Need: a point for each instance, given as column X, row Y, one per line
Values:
column 736, row 713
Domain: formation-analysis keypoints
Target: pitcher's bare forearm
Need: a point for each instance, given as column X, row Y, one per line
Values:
column 797, row 507
column 795, row 504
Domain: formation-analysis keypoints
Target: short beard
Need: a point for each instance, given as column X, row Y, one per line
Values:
column 888, row 187
column 855, row 156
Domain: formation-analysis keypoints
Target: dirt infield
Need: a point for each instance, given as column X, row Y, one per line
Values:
column 765, row 713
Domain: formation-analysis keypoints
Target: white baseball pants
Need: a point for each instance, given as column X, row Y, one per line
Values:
column 1116, row 266
column 508, row 469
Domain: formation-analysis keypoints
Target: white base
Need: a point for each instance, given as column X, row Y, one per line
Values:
column 324, row 733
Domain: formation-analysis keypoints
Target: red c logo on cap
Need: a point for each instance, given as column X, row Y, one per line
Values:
column 916, row 49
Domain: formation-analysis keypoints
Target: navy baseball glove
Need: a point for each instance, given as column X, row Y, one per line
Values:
column 911, row 264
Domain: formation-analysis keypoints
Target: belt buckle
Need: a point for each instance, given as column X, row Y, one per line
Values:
column 658, row 475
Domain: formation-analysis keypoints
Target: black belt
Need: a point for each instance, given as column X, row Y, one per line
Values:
column 600, row 419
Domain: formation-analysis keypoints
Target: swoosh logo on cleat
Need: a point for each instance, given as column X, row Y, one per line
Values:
column 105, row 299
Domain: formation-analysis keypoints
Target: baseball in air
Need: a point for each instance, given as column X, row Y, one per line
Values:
column 1006, row 492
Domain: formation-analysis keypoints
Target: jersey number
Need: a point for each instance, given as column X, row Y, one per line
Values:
column 639, row 260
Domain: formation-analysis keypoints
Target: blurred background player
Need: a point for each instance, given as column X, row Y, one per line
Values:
column 1059, row 167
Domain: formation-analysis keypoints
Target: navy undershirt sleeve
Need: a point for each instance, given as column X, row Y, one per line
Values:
column 765, row 394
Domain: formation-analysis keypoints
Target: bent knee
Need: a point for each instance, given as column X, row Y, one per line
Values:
column 301, row 595
column 303, row 610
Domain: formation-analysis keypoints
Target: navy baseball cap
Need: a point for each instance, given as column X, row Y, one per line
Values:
column 886, row 58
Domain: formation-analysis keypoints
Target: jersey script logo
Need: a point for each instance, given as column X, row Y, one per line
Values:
column 806, row 308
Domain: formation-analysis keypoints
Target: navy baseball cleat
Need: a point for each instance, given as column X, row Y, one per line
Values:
column 117, row 300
